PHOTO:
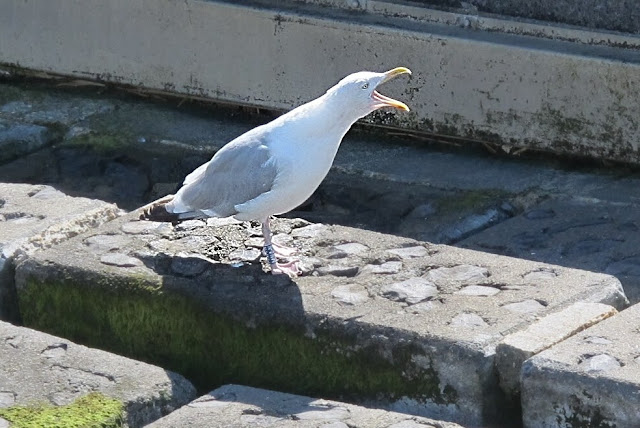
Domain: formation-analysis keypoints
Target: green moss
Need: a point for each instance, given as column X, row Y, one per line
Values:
column 91, row 411
column 465, row 202
column 101, row 143
column 211, row 349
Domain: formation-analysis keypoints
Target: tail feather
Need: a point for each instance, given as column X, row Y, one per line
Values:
column 157, row 211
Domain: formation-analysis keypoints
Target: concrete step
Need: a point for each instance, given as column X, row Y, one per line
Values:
column 49, row 381
column 596, row 231
column 34, row 217
column 570, row 91
column 377, row 319
column 591, row 379
column 235, row 406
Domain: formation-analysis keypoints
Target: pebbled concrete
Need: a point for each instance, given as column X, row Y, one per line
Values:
column 39, row 368
column 34, row 217
column 235, row 406
column 590, row 379
column 542, row 334
column 513, row 91
column 435, row 313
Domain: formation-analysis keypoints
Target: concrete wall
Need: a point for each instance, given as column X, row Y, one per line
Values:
column 512, row 90
column 617, row 15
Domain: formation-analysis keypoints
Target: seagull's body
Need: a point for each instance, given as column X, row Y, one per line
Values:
column 275, row 167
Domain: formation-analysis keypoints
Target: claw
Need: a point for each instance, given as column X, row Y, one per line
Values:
column 290, row 269
column 284, row 251
column 270, row 250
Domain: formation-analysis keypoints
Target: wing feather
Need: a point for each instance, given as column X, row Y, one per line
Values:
column 239, row 172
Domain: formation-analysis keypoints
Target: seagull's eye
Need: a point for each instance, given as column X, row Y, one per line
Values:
column 365, row 86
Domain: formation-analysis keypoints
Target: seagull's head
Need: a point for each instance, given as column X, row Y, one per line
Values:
column 358, row 91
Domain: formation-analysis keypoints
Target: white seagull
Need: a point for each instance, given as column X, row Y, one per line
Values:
column 275, row 167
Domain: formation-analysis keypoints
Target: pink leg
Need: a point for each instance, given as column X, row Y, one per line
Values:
column 290, row 268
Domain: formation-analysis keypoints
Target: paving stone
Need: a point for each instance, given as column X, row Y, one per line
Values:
column 478, row 290
column 235, row 406
column 338, row 270
column 419, row 346
column 53, row 108
column 350, row 294
column 413, row 290
column 245, row 255
column 34, row 217
column 410, row 252
column 38, row 368
column 18, row 139
column 120, row 259
column 590, row 379
column 596, row 235
column 384, row 268
column 542, row 334
column 352, row 248
column 471, row 225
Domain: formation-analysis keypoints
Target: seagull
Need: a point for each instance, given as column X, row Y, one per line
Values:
column 275, row 167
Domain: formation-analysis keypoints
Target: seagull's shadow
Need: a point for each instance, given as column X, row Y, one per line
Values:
column 228, row 322
column 243, row 290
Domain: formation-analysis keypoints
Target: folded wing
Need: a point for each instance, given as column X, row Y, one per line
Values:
column 241, row 171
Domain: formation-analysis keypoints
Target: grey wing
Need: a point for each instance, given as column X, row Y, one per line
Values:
column 242, row 170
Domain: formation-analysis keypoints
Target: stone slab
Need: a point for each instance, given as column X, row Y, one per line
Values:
column 38, row 368
column 591, row 379
column 542, row 334
column 33, row 217
column 18, row 139
column 401, row 324
column 513, row 91
column 236, row 406
column 597, row 231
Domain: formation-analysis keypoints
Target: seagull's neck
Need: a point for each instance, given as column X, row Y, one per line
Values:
column 323, row 116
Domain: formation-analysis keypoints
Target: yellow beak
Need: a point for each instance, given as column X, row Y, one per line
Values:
column 390, row 102
column 395, row 72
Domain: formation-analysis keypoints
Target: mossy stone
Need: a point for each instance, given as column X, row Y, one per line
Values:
column 139, row 319
column 94, row 410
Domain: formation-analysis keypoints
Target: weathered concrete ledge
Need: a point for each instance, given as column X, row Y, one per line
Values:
column 235, row 406
column 33, row 217
column 591, row 379
column 377, row 319
column 516, row 348
column 596, row 231
column 44, row 378
column 512, row 90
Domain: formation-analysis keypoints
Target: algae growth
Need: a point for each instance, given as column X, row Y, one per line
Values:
column 91, row 411
column 469, row 201
column 131, row 317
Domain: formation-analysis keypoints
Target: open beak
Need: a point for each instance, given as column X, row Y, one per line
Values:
column 384, row 101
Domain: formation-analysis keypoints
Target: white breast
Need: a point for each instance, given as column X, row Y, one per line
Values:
column 302, row 165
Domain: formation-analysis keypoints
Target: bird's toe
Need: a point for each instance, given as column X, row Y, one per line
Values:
column 284, row 251
column 290, row 269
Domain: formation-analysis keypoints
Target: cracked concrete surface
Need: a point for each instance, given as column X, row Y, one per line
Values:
column 39, row 368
